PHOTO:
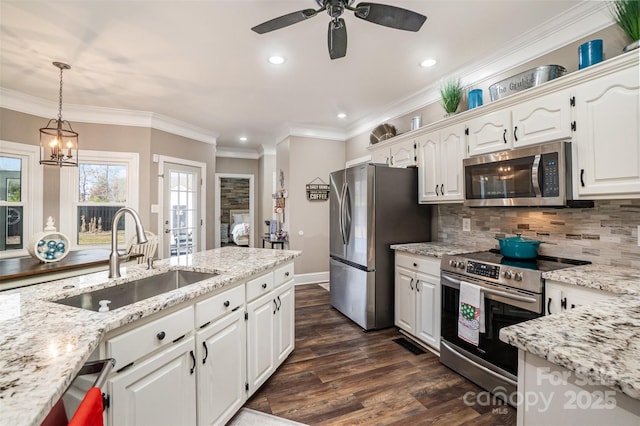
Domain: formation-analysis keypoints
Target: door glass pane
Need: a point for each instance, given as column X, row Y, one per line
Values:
column 183, row 213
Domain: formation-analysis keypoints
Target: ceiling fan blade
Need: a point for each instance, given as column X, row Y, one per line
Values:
column 390, row 16
column 285, row 20
column 337, row 38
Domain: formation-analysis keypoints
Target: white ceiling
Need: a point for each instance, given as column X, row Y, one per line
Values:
column 199, row 63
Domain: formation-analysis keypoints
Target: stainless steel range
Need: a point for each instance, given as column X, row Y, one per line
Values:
column 513, row 292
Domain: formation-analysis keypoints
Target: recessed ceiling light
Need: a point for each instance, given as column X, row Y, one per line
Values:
column 276, row 60
column 243, row 138
column 428, row 63
column 342, row 115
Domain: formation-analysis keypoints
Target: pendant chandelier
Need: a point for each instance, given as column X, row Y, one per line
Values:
column 58, row 141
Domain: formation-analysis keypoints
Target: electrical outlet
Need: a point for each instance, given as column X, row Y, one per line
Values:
column 466, row 224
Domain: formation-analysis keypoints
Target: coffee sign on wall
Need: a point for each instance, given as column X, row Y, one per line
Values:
column 317, row 190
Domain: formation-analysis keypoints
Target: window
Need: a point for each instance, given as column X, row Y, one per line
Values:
column 20, row 197
column 103, row 183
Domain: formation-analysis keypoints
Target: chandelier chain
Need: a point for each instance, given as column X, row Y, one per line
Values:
column 60, row 98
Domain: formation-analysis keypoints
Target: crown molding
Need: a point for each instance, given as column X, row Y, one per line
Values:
column 312, row 132
column 266, row 150
column 576, row 23
column 17, row 101
column 242, row 153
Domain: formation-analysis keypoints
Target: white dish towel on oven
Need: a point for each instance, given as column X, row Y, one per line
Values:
column 470, row 315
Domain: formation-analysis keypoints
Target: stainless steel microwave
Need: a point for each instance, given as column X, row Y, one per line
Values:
column 532, row 176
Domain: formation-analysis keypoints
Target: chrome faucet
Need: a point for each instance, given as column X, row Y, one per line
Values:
column 115, row 257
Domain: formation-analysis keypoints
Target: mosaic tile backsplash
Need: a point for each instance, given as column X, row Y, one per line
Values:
column 606, row 234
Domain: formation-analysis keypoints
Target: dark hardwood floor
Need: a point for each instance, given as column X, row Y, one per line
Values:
column 340, row 375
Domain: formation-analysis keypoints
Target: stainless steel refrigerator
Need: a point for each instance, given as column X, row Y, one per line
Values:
column 372, row 207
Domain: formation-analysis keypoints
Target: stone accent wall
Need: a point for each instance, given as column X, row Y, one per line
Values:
column 606, row 234
column 234, row 194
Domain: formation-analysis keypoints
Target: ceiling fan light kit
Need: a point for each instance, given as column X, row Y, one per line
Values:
column 381, row 14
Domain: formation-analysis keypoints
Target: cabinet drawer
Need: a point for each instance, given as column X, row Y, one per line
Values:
column 259, row 286
column 283, row 274
column 145, row 339
column 216, row 306
column 424, row 264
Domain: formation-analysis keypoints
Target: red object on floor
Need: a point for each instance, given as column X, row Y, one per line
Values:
column 89, row 413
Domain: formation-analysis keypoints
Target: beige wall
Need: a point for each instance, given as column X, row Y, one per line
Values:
column 23, row 128
column 613, row 39
column 267, row 170
column 310, row 217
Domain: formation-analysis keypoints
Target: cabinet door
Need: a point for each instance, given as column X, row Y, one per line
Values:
column 380, row 156
column 158, row 391
column 452, row 151
column 222, row 365
column 543, row 119
column 403, row 154
column 428, row 172
column 260, row 336
column 284, row 328
column 428, row 309
column 607, row 135
column 490, row 132
column 405, row 303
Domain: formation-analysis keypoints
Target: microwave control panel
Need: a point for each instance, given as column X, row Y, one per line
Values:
column 550, row 175
column 484, row 270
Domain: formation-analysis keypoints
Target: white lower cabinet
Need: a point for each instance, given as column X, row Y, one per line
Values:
column 159, row 391
column 560, row 296
column 417, row 297
column 199, row 364
column 270, row 333
column 222, row 367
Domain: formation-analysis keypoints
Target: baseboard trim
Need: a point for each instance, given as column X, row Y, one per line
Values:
column 311, row 278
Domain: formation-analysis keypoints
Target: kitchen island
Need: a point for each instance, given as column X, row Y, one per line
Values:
column 43, row 344
column 585, row 361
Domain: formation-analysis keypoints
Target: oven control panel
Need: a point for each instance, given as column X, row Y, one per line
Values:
column 482, row 269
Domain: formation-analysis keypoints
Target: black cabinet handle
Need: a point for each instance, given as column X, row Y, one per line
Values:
column 161, row 335
column 264, row 285
column 442, row 189
column 276, row 306
column 411, row 284
column 563, row 303
column 417, row 286
column 515, row 133
column 415, row 265
column 193, row 358
column 549, row 306
column 573, row 306
column 582, row 177
column 504, row 136
column 286, row 274
column 226, row 303
column 206, row 352
column 279, row 303
column 437, row 190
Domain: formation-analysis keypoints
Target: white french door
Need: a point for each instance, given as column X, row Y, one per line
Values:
column 182, row 224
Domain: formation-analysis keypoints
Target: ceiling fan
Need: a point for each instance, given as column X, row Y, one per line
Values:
column 381, row 14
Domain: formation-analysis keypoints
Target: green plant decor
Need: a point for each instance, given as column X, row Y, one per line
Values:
column 451, row 93
column 627, row 16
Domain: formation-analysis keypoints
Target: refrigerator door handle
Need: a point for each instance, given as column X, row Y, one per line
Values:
column 347, row 214
column 341, row 215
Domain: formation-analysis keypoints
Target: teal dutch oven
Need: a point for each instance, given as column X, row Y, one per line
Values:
column 518, row 247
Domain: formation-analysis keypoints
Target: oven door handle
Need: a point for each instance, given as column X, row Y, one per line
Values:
column 495, row 292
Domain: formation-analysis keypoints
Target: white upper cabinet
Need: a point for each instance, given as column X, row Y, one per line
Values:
column 543, row 119
column 440, row 173
column 490, row 132
column 399, row 153
column 607, row 136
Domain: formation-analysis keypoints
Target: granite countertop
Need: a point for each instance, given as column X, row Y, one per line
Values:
column 43, row 345
column 600, row 342
column 435, row 249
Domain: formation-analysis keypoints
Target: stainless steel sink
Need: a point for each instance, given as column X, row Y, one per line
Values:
column 136, row 290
